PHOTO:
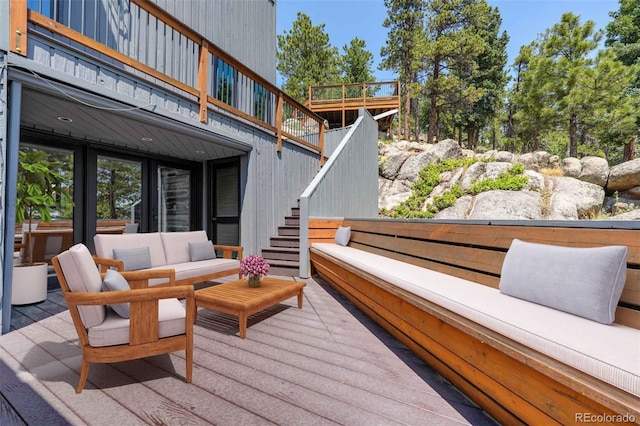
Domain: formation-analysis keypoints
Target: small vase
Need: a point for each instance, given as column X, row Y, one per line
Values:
column 254, row 281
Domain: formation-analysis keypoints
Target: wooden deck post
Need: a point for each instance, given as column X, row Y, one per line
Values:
column 203, row 74
column 321, row 142
column 343, row 112
column 18, row 26
column 279, row 122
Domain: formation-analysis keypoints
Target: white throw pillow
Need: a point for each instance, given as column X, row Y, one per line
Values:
column 114, row 281
column 343, row 234
column 587, row 282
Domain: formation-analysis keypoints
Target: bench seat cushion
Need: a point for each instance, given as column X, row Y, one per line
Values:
column 115, row 329
column 200, row 268
column 610, row 353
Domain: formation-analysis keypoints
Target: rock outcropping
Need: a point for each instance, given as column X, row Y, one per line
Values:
column 570, row 188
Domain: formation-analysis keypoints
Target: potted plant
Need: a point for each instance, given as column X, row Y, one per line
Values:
column 37, row 187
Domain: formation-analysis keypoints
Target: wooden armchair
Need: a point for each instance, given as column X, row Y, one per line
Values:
column 158, row 323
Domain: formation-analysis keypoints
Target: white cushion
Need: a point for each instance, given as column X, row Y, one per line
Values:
column 105, row 243
column 343, row 234
column 82, row 276
column 114, row 281
column 201, row 251
column 582, row 281
column 610, row 353
column 115, row 329
column 189, row 270
column 176, row 244
column 134, row 258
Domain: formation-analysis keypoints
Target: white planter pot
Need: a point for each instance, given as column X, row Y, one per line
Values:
column 29, row 284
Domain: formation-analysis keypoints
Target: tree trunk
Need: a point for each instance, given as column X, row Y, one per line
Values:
column 416, row 118
column 470, row 138
column 432, row 135
column 573, row 135
column 460, row 135
column 630, row 149
column 407, row 110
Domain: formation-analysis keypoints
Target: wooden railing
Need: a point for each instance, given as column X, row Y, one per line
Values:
column 216, row 80
column 359, row 94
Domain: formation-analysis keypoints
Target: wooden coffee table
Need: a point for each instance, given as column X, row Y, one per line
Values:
column 237, row 298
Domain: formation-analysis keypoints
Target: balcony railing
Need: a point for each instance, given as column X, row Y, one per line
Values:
column 205, row 72
column 368, row 95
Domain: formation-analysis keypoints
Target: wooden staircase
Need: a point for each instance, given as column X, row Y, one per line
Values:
column 283, row 254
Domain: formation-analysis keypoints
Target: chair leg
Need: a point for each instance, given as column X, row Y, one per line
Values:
column 84, row 372
column 189, row 360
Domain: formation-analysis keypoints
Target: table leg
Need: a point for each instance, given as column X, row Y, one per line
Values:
column 242, row 322
column 300, row 299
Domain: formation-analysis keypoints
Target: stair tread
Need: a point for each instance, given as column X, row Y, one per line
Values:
column 282, row 249
column 283, row 263
column 287, row 237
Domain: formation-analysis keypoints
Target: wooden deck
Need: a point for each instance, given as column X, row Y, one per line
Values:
column 324, row 364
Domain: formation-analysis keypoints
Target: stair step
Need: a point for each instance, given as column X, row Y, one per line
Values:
column 281, row 253
column 292, row 221
column 284, row 267
column 285, row 241
column 288, row 231
column 295, row 211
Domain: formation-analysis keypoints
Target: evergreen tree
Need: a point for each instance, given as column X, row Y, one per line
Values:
column 400, row 52
column 623, row 37
column 450, row 49
column 489, row 77
column 306, row 58
column 357, row 62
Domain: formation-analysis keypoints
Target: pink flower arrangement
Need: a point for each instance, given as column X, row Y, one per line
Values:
column 254, row 266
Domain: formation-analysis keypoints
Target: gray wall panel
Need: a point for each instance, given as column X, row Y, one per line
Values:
column 3, row 162
column 332, row 139
column 246, row 29
column 347, row 186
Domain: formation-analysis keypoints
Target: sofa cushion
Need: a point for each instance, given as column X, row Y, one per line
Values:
column 115, row 329
column 114, row 281
column 134, row 258
column 607, row 352
column 176, row 244
column 105, row 243
column 343, row 234
column 201, row 251
column 82, row 276
column 188, row 270
column 582, row 281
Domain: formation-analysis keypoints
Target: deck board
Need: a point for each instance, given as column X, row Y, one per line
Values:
column 324, row 364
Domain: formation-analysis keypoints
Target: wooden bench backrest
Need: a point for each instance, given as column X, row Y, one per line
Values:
column 62, row 239
column 476, row 252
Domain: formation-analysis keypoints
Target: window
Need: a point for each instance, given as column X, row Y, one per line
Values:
column 225, row 82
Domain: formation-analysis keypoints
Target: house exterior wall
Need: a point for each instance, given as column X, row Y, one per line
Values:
column 246, row 29
column 3, row 154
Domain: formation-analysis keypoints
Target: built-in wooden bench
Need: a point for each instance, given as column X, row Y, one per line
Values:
column 511, row 381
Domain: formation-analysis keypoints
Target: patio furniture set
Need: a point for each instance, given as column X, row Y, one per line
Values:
column 531, row 331
column 154, row 270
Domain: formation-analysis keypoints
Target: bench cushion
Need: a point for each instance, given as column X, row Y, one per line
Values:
column 582, row 281
column 610, row 353
column 105, row 243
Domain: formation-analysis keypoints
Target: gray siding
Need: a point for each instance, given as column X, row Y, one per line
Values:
column 332, row 139
column 3, row 162
column 246, row 29
column 347, row 185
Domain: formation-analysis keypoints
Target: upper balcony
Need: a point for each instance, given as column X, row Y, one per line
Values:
column 338, row 104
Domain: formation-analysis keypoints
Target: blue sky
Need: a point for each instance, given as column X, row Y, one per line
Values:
column 522, row 19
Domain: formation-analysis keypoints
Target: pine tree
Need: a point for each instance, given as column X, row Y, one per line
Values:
column 400, row 53
column 623, row 37
column 357, row 62
column 306, row 58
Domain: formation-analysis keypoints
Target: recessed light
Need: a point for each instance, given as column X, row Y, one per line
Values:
column 199, row 151
column 65, row 119
column 147, row 139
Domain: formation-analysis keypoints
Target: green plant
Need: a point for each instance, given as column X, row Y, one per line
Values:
column 511, row 180
column 36, row 190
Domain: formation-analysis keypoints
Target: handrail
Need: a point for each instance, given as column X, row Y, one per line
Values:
column 291, row 120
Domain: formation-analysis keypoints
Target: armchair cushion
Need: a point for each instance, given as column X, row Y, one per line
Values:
column 82, row 276
column 114, row 281
column 201, row 251
column 134, row 258
column 115, row 329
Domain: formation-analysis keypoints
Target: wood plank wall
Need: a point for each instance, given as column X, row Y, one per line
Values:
column 476, row 252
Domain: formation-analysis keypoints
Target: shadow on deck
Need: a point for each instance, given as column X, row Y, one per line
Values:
column 325, row 364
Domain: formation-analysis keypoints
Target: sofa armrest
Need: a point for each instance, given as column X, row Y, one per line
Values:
column 106, row 263
column 227, row 251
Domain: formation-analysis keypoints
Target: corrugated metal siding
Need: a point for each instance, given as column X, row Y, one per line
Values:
column 246, row 29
